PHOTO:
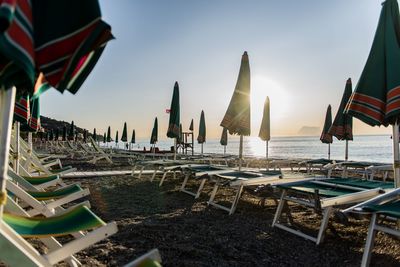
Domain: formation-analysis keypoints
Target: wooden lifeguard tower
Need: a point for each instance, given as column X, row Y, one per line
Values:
column 186, row 144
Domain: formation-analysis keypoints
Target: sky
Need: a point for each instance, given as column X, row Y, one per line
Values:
column 301, row 54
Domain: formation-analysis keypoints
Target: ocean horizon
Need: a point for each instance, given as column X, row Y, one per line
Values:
column 375, row 148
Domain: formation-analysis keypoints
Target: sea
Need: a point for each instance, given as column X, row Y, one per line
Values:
column 372, row 148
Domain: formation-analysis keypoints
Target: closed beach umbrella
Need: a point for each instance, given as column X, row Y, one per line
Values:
column 224, row 139
column 180, row 133
column 64, row 136
column 133, row 139
column 342, row 126
column 116, row 139
column 71, row 133
column 326, row 137
column 109, row 134
column 57, row 134
column 94, row 134
column 85, row 134
column 174, row 117
column 124, row 137
column 34, row 120
column 104, row 138
column 22, row 110
column 237, row 116
column 154, row 133
column 201, row 138
column 375, row 98
column 191, row 126
column 265, row 129
column 51, row 135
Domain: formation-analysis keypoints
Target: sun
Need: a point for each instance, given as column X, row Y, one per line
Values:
column 261, row 87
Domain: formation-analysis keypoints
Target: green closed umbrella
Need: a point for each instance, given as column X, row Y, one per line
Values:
column 104, row 138
column 154, row 133
column 174, row 117
column 326, row 137
column 191, row 126
column 109, row 134
column 124, row 137
column 265, row 128
column 342, row 126
column 64, row 135
column 57, row 134
column 116, row 139
column 237, row 116
column 201, row 138
column 71, row 133
column 51, row 135
column 94, row 134
column 224, row 139
column 85, row 134
column 34, row 120
column 133, row 139
column 375, row 98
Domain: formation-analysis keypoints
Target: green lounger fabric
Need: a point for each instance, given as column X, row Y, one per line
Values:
column 249, row 175
column 61, row 170
column 37, row 180
column 39, row 195
column 367, row 184
column 390, row 209
column 323, row 190
column 79, row 219
column 205, row 168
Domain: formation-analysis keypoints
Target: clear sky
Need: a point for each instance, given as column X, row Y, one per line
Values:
column 301, row 54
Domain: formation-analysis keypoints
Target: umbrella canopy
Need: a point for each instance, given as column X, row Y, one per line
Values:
column 133, row 139
column 326, row 137
column 57, row 134
column 104, row 138
column 342, row 125
column 94, row 134
column 237, row 116
column 265, row 131
column 85, row 134
column 154, row 133
column 109, row 134
column 201, row 138
column 71, row 133
column 116, row 137
column 34, row 120
column 174, row 114
column 180, row 139
column 124, row 137
column 21, row 110
column 224, row 137
column 191, row 126
column 64, row 136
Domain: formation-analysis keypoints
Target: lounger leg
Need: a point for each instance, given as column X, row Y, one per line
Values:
column 214, row 192
column 163, row 178
column 324, row 225
column 279, row 209
column 174, row 175
column 140, row 173
column 53, row 244
column 369, row 245
column 184, row 182
column 236, row 200
column 133, row 170
column 203, row 181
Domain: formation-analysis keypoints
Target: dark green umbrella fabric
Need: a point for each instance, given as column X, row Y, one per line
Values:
column 265, row 129
column 124, row 137
column 174, row 114
column 237, row 116
column 116, row 137
column 342, row 126
column 57, row 134
column 94, row 134
column 133, row 139
column 154, row 133
column 375, row 100
column 64, row 136
column 191, row 126
column 71, row 133
column 104, row 138
column 180, row 139
column 40, row 86
column 201, row 138
column 326, row 137
column 109, row 134
column 85, row 134
column 224, row 137
column 21, row 110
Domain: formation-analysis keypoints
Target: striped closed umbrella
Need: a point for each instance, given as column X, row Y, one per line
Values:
column 174, row 117
column 326, row 137
column 22, row 110
column 375, row 98
column 237, row 116
column 265, row 128
column 201, row 138
column 154, row 133
column 34, row 120
column 342, row 126
column 224, row 139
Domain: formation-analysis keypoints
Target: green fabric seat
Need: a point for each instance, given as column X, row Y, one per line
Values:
column 47, row 195
column 367, row 184
column 80, row 218
column 323, row 190
column 38, row 180
column 66, row 168
column 249, row 174
column 390, row 209
column 205, row 168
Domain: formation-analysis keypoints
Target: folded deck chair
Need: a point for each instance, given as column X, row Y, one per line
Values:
column 155, row 166
column 14, row 229
column 323, row 195
column 237, row 180
column 150, row 259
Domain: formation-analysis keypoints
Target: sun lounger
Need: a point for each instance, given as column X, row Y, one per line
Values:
column 323, row 195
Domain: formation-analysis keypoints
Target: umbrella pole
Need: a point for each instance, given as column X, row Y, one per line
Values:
column 266, row 154
column 7, row 99
column 174, row 148
column 201, row 148
column 240, row 152
column 329, row 151
column 346, row 155
column 224, row 150
column 17, row 127
column 396, row 161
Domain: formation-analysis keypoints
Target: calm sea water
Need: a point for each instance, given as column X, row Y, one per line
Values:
column 377, row 148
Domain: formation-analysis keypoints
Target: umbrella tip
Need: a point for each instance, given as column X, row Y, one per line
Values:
column 348, row 80
column 245, row 53
column 176, row 83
